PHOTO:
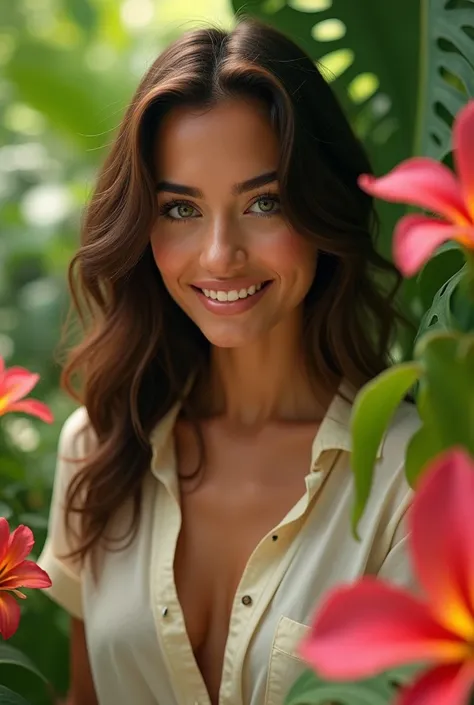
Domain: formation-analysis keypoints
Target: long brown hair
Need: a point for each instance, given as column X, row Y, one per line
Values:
column 139, row 350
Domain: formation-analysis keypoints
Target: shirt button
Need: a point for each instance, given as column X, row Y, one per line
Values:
column 247, row 600
column 164, row 611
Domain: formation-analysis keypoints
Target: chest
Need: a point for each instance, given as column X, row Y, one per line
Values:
column 243, row 491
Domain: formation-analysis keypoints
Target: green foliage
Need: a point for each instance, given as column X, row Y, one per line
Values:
column 379, row 101
column 372, row 413
column 444, row 366
column 446, row 75
column 67, row 69
column 8, row 697
column 310, row 689
column 14, row 657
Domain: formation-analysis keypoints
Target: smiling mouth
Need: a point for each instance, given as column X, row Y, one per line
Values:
column 233, row 294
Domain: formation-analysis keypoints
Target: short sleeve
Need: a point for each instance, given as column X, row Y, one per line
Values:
column 65, row 573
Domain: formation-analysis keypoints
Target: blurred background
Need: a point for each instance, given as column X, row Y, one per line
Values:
column 401, row 69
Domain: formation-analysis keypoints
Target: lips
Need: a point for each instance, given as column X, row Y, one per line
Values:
column 231, row 300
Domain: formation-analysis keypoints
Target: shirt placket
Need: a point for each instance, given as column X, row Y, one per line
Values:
column 186, row 679
column 260, row 579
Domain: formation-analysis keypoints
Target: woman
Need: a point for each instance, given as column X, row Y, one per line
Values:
column 232, row 301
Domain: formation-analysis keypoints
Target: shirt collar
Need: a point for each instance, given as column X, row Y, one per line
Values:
column 334, row 433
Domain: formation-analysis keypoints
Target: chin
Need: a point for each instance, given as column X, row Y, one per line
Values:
column 230, row 339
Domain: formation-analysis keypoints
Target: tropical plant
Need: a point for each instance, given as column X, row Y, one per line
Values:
column 15, row 570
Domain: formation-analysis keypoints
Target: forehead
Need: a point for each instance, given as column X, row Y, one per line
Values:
column 233, row 141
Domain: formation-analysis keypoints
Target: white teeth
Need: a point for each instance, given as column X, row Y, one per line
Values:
column 232, row 295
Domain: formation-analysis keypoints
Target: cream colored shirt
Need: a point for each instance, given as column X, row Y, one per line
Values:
column 137, row 642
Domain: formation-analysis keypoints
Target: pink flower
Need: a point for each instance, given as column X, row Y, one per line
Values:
column 427, row 183
column 16, row 383
column 370, row 626
column 16, row 572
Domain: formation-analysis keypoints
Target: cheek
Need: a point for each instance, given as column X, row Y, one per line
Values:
column 171, row 255
column 291, row 255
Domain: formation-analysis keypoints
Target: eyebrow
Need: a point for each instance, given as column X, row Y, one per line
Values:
column 237, row 189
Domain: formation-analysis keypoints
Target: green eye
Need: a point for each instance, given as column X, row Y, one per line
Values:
column 184, row 210
column 267, row 205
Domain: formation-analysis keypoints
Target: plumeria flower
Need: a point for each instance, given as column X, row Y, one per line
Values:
column 371, row 626
column 16, row 572
column 15, row 384
column 427, row 183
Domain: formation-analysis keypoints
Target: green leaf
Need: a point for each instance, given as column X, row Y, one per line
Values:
column 373, row 408
column 448, row 364
column 309, row 689
column 446, row 73
column 440, row 314
column 423, row 446
column 425, row 442
column 443, row 264
column 8, row 697
column 9, row 655
column 85, row 104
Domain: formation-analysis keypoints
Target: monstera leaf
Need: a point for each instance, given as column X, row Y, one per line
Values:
column 446, row 71
column 368, row 52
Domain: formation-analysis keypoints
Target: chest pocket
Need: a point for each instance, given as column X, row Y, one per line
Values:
column 285, row 665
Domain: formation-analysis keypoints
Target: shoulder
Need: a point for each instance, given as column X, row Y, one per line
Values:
column 76, row 437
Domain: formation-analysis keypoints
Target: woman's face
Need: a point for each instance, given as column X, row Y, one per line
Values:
column 224, row 249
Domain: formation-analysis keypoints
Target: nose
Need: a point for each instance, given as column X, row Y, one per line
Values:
column 223, row 251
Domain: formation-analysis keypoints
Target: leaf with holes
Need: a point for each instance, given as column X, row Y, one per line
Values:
column 446, row 71
column 444, row 264
column 440, row 314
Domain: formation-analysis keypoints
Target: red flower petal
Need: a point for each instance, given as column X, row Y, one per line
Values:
column 17, row 383
column 4, row 539
column 9, row 615
column 423, row 182
column 370, row 626
column 416, row 237
column 26, row 575
column 442, row 539
column 34, row 408
column 463, row 145
column 444, row 685
column 20, row 543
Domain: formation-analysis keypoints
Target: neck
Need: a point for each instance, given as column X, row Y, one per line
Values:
column 266, row 381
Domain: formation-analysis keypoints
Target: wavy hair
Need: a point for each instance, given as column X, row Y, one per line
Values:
column 138, row 350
